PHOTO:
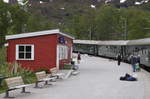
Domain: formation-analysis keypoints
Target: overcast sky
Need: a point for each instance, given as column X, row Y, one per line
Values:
column 6, row 1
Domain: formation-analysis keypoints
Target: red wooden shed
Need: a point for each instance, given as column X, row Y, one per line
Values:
column 40, row 50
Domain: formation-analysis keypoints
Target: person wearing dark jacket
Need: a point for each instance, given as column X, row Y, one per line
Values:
column 133, row 61
column 119, row 59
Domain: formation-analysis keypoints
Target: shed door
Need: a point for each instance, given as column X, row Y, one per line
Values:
column 57, row 58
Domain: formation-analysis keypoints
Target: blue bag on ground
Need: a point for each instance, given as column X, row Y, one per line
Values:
column 128, row 77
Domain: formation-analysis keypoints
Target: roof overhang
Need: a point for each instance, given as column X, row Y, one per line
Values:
column 93, row 42
column 111, row 42
column 145, row 41
column 114, row 42
column 39, row 33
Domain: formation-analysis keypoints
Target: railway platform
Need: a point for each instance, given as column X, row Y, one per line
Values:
column 98, row 79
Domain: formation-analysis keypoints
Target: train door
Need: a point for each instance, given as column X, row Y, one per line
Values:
column 123, row 52
column 95, row 50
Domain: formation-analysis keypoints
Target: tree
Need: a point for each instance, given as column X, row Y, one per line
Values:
column 38, row 23
column 107, row 21
column 136, row 23
column 4, row 20
column 145, row 6
column 18, row 19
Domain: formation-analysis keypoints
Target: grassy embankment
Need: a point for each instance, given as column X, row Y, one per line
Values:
column 7, row 71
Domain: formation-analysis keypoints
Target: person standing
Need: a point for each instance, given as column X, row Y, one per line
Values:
column 119, row 59
column 133, row 61
column 78, row 58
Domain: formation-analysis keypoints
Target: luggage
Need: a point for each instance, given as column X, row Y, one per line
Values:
column 131, row 79
column 137, row 67
column 128, row 77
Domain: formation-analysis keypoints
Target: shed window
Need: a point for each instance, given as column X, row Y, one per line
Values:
column 63, row 52
column 24, row 52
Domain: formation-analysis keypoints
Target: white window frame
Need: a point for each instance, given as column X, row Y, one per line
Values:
column 17, row 52
column 71, row 54
column 63, row 52
column 66, row 52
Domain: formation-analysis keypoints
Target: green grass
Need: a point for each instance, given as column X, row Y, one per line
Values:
column 28, row 76
column 3, row 67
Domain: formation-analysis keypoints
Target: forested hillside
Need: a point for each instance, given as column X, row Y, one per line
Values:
column 84, row 19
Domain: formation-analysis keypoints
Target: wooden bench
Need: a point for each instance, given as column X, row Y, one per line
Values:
column 15, row 83
column 75, row 72
column 55, row 73
column 43, row 77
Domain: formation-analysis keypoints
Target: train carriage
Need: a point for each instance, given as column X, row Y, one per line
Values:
column 85, row 46
column 140, row 47
column 110, row 49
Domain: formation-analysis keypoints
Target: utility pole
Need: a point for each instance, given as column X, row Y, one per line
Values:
column 125, row 28
column 90, row 32
column 148, row 20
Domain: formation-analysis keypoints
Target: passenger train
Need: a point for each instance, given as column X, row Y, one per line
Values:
column 110, row 49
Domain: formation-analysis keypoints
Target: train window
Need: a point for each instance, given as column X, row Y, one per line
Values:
column 142, row 51
column 146, row 52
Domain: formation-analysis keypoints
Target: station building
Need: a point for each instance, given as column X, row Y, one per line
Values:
column 40, row 50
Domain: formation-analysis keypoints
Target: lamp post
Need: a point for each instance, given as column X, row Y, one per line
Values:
column 147, row 28
column 90, row 32
column 125, row 28
column 148, row 20
column 124, row 20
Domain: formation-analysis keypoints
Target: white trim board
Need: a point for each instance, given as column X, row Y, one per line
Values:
column 39, row 33
column 17, row 51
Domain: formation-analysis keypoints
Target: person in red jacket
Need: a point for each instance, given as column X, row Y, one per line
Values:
column 78, row 58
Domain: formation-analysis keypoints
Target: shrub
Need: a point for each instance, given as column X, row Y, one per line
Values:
column 67, row 66
column 13, row 70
